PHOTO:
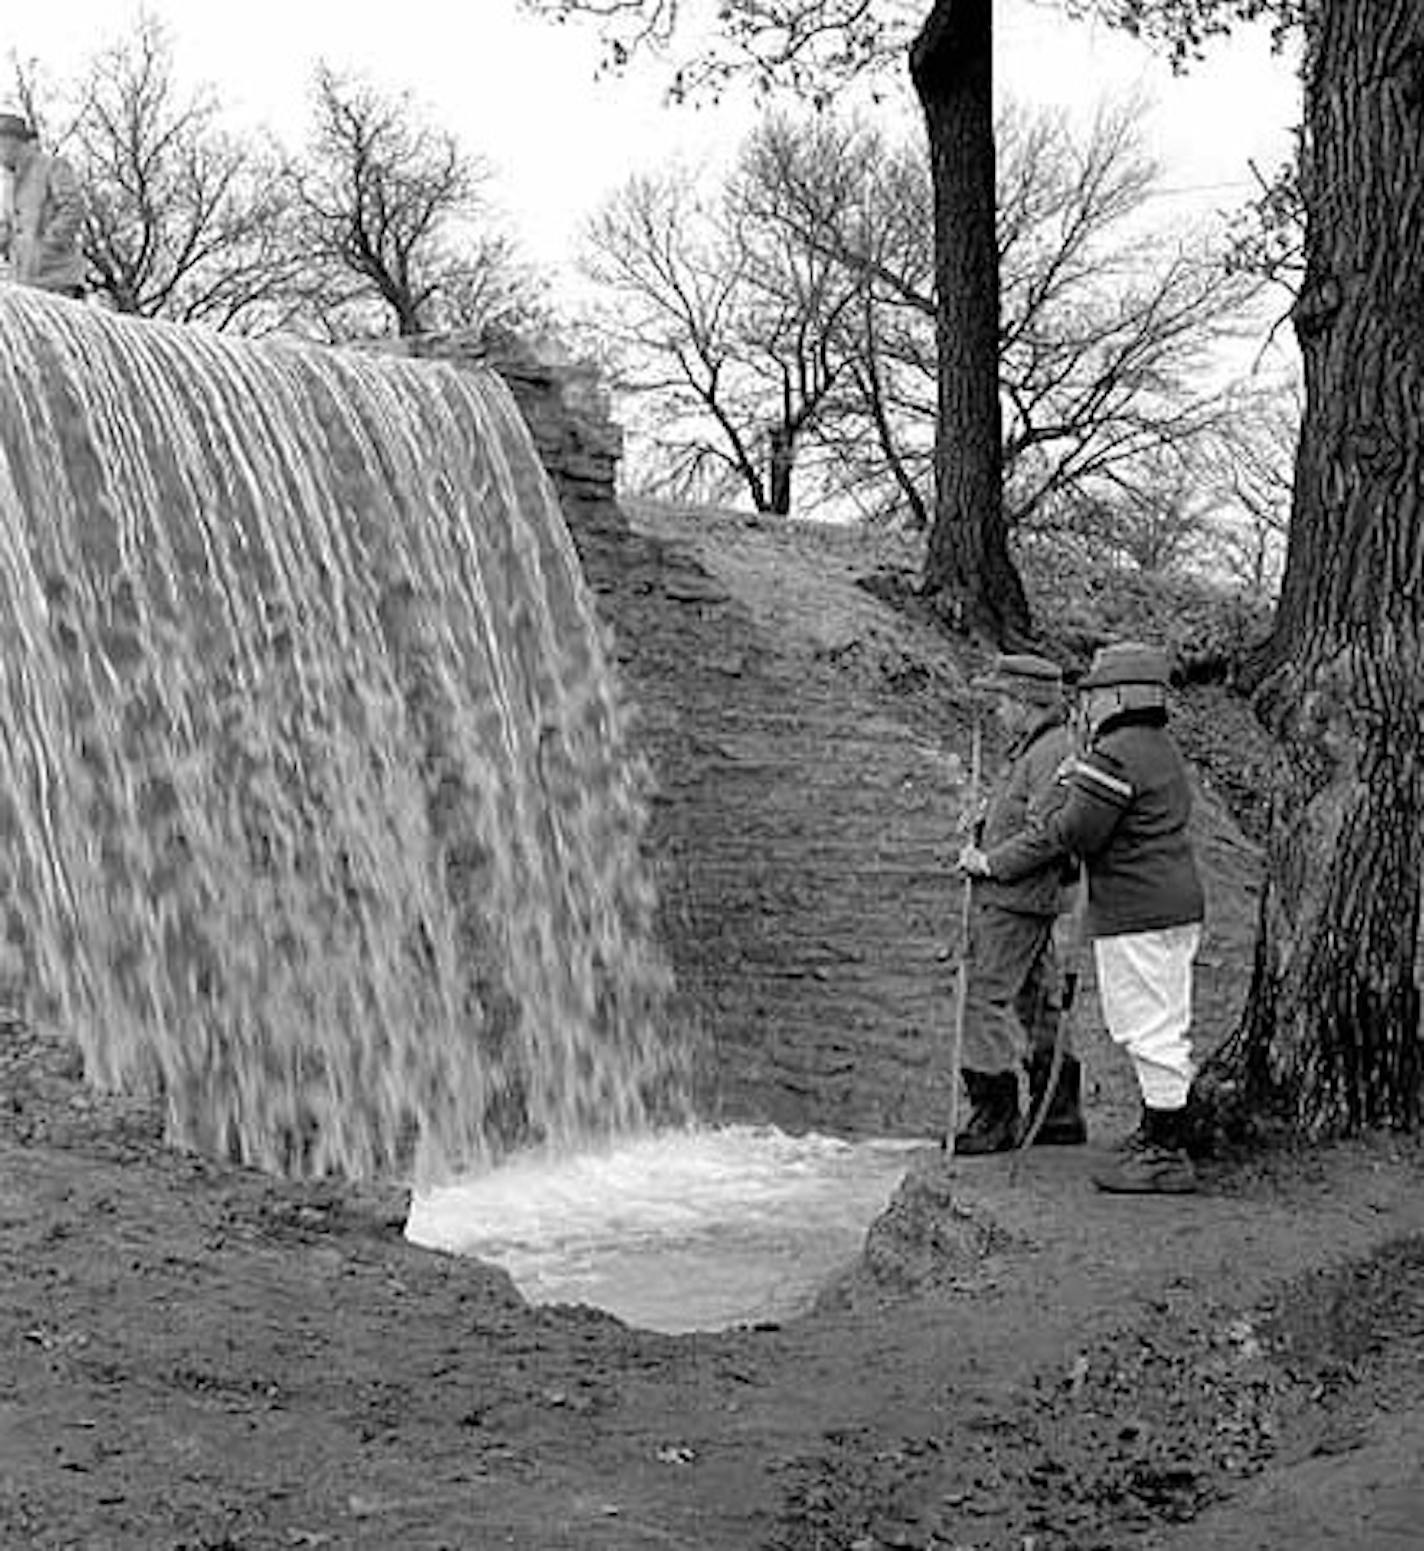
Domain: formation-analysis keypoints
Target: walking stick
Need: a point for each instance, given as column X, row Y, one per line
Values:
column 1072, row 954
column 961, row 983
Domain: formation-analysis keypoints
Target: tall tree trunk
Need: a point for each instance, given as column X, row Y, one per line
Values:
column 968, row 569
column 781, row 465
column 1331, row 1028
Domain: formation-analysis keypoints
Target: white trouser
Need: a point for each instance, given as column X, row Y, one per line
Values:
column 1145, row 987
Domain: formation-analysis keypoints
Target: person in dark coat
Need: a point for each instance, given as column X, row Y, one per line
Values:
column 1011, row 1006
column 1126, row 815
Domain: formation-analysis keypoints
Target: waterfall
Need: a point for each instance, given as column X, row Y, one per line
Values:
column 317, row 810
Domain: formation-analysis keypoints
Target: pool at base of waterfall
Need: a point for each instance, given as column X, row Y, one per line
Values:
column 679, row 1231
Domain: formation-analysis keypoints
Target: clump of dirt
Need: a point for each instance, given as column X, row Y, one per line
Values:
column 926, row 1241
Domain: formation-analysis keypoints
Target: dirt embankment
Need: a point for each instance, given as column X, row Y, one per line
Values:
column 811, row 747
column 200, row 1357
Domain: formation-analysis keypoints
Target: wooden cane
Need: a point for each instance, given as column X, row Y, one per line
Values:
column 1072, row 957
column 961, row 982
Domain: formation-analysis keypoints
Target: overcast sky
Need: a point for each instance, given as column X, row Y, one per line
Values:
column 522, row 92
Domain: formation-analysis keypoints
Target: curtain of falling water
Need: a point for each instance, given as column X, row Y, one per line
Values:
column 315, row 806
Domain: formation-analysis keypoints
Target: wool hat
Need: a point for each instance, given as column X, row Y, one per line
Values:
column 15, row 126
column 1127, row 662
column 1024, row 676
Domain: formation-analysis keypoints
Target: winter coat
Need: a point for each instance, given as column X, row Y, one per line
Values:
column 1028, row 791
column 1125, row 814
column 44, row 217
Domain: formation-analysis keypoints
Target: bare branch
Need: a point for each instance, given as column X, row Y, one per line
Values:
column 809, row 47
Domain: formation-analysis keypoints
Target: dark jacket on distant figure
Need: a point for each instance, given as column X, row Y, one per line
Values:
column 1125, row 812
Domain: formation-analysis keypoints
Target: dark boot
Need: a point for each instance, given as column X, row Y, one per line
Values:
column 994, row 1122
column 1153, row 1161
column 1063, row 1125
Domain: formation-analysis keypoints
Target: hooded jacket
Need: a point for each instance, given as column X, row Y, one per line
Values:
column 1125, row 813
column 44, row 216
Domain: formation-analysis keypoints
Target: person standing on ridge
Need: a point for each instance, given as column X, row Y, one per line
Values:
column 43, row 215
column 1011, row 1010
column 1126, row 815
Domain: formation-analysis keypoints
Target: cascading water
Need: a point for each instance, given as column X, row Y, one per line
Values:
column 315, row 806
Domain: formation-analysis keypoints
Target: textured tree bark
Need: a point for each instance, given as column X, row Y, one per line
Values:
column 968, row 569
column 781, row 466
column 1331, row 1029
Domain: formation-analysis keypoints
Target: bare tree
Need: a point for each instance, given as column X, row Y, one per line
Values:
column 1109, row 329
column 395, row 224
column 670, row 284
column 184, row 220
column 728, row 334
column 1249, row 471
column 1106, row 331
column 834, row 188
column 1158, row 524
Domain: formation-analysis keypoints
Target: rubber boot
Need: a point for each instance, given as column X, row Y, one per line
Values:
column 994, row 1122
column 1154, row 1161
column 1063, row 1125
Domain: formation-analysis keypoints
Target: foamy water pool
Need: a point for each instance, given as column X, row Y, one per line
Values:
column 688, row 1230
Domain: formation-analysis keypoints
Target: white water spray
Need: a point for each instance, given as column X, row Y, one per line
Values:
column 688, row 1230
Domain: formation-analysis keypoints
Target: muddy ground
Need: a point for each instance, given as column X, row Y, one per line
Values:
column 207, row 1359
column 202, row 1357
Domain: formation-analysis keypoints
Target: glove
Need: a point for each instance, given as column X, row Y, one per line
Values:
column 974, row 862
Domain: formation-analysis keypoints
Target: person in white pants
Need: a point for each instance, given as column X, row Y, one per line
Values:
column 1145, row 987
column 1126, row 816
